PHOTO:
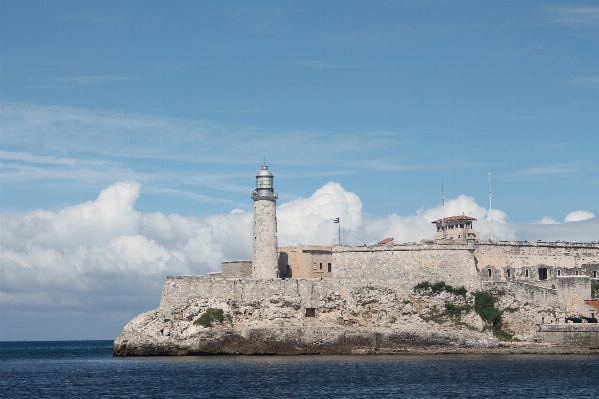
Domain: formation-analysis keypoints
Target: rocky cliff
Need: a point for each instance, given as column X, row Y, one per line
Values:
column 358, row 319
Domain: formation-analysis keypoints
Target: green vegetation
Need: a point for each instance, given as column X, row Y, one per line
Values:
column 455, row 311
column 484, row 305
column 355, row 314
column 504, row 336
column 595, row 290
column 452, row 311
column 210, row 316
column 439, row 287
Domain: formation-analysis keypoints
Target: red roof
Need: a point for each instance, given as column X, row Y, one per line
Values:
column 385, row 241
column 453, row 219
column 592, row 302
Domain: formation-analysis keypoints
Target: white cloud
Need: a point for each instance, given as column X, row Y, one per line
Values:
column 577, row 216
column 546, row 220
column 101, row 254
column 310, row 220
column 58, row 258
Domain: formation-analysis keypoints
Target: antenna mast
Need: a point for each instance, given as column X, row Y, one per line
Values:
column 443, row 211
column 490, row 207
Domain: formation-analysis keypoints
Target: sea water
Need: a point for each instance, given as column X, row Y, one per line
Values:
column 87, row 369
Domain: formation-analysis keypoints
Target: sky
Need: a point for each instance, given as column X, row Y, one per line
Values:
column 131, row 133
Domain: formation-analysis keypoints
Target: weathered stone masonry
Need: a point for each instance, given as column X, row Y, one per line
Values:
column 264, row 258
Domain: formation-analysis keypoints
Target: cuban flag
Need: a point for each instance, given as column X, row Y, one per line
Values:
column 336, row 220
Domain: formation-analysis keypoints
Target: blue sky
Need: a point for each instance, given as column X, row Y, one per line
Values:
column 390, row 99
column 362, row 109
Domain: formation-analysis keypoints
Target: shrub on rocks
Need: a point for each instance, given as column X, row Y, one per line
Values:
column 210, row 316
column 440, row 286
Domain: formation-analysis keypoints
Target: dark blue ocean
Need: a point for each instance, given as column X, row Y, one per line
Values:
column 86, row 369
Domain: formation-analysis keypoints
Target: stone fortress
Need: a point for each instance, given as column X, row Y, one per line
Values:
column 556, row 273
column 362, row 299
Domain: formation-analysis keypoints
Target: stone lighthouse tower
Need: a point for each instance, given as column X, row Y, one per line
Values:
column 264, row 258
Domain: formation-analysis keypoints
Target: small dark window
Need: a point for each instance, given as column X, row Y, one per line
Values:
column 542, row 273
column 559, row 272
column 576, row 272
column 594, row 273
column 329, row 267
column 489, row 271
column 526, row 272
column 310, row 312
column 320, row 265
column 509, row 273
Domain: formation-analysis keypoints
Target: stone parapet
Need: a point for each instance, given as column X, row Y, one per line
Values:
column 409, row 264
column 575, row 334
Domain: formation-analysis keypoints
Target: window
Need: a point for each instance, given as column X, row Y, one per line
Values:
column 526, row 272
column 594, row 273
column 461, row 225
column 329, row 267
column 542, row 273
column 320, row 265
column 489, row 272
column 576, row 272
column 264, row 182
column 509, row 273
column 559, row 272
column 310, row 312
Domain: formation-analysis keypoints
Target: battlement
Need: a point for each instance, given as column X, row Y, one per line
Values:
column 541, row 244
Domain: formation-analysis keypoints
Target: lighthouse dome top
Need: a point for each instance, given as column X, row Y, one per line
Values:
column 264, row 186
column 264, row 172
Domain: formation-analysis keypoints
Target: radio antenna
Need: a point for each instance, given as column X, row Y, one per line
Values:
column 490, row 207
column 443, row 210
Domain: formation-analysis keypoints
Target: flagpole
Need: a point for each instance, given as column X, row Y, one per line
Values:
column 339, row 233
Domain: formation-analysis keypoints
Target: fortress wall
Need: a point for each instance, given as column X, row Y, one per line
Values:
column 520, row 256
column 237, row 269
column 179, row 289
column 577, row 335
column 572, row 291
column 526, row 292
column 407, row 264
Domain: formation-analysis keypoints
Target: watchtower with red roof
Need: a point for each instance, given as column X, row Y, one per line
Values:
column 455, row 229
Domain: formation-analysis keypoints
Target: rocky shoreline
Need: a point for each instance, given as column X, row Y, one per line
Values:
column 364, row 320
column 330, row 341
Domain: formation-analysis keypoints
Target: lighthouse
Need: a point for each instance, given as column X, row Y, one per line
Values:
column 264, row 258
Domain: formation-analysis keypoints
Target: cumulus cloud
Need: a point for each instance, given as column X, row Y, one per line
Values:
column 546, row 220
column 97, row 256
column 577, row 216
column 310, row 220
